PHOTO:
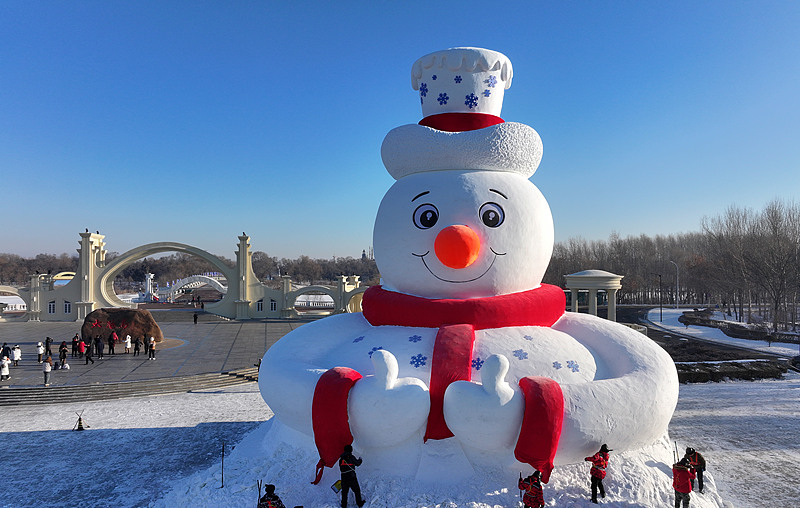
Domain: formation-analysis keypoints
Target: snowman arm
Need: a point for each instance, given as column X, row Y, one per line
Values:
column 541, row 423
column 633, row 396
column 329, row 415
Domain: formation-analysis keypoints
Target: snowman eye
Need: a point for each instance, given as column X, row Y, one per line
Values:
column 425, row 216
column 492, row 214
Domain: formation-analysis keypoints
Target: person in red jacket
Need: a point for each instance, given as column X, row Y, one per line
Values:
column 682, row 477
column 599, row 464
column 533, row 498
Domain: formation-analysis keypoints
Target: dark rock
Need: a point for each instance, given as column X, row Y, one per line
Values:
column 703, row 372
column 133, row 322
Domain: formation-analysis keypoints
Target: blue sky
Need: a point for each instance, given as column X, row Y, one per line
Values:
column 194, row 121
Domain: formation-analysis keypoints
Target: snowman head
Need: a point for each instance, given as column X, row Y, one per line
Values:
column 463, row 234
column 462, row 220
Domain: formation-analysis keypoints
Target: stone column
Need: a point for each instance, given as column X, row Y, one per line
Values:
column 593, row 302
column 612, row 304
column 574, row 293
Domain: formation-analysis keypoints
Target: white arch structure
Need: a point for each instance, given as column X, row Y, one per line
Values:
column 92, row 286
column 196, row 281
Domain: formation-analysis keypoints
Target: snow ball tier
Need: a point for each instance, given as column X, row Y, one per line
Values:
column 461, row 92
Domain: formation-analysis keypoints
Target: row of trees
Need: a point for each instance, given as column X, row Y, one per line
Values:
column 744, row 260
column 16, row 270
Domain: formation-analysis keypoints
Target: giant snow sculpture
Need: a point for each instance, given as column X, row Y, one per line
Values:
column 463, row 357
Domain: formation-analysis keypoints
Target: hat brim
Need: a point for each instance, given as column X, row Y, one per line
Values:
column 510, row 146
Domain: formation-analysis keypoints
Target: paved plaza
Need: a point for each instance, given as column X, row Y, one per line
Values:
column 212, row 345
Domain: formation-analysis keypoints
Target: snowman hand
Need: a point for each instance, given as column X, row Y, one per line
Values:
column 385, row 410
column 486, row 416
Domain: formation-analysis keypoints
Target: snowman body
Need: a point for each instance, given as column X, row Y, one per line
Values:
column 463, row 223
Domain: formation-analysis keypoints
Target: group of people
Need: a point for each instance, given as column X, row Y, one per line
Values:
column 10, row 356
column 90, row 348
column 349, row 481
column 684, row 472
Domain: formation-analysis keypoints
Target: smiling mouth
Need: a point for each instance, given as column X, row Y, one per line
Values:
column 422, row 257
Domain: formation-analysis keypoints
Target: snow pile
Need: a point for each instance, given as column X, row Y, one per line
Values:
column 275, row 453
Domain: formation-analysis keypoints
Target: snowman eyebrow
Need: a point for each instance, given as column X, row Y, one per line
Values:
column 420, row 195
column 498, row 192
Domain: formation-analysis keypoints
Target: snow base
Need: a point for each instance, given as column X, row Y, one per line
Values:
column 277, row 454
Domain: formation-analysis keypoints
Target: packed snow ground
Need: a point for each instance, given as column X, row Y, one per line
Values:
column 165, row 451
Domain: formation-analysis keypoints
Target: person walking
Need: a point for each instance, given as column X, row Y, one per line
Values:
column 88, row 355
column 81, row 348
column 682, row 478
column 99, row 346
column 16, row 355
column 598, row 472
column 347, row 466
column 151, row 349
column 39, row 352
column 75, row 341
column 127, row 344
column 146, row 344
column 48, row 343
column 6, row 351
column 698, row 463
column 112, row 341
column 532, row 485
column 195, row 318
column 47, row 367
column 137, row 345
column 269, row 499
column 62, row 354
column 5, row 372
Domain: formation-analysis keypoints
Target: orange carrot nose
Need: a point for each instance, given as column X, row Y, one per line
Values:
column 457, row 246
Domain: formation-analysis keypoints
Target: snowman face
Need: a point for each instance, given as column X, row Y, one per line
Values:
column 463, row 234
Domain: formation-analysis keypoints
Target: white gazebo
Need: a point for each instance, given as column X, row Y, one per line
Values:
column 592, row 280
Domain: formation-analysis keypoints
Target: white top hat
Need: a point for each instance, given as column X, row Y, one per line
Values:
column 462, row 80
column 461, row 90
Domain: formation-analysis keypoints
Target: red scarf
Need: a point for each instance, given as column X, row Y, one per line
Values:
column 457, row 320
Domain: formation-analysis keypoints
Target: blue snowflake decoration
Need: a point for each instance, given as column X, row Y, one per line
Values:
column 423, row 90
column 457, row 79
column 471, row 100
column 418, row 360
column 527, row 337
column 520, row 354
column 358, row 339
column 421, row 100
column 573, row 365
column 477, row 363
column 487, row 93
column 443, row 98
column 556, row 365
column 374, row 349
column 433, row 77
column 415, row 338
column 491, row 81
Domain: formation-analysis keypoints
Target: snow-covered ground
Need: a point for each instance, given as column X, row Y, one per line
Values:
column 671, row 322
column 165, row 451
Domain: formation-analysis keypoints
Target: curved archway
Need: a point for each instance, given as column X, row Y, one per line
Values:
column 214, row 283
column 120, row 263
column 353, row 300
column 291, row 297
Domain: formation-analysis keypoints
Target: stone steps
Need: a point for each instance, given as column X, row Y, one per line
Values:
column 109, row 391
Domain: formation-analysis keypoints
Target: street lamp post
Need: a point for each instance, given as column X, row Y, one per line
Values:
column 660, row 300
column 677, row 284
